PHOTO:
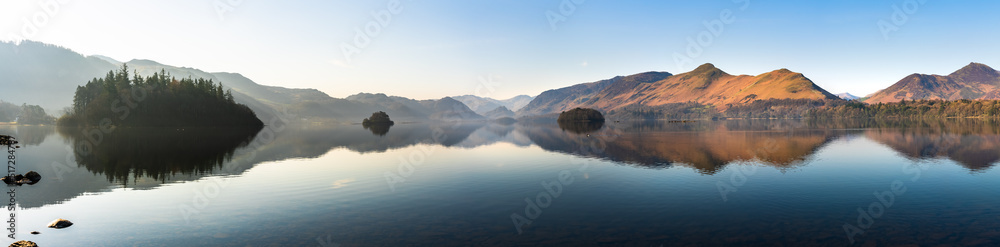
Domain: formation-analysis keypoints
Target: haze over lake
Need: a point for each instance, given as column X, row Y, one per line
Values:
column 761, row 182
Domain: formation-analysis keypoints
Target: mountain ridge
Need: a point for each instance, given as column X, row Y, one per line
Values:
column 28, row 68
column 975, row 81
column 706, row 84
column 43, row 74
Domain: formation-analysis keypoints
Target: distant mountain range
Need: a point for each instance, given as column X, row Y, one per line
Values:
column 47, row 75
column 848, row 96
column 482, row 105
column 705, row 85
column 499, row 112
column 41, row 74
column 974, row 81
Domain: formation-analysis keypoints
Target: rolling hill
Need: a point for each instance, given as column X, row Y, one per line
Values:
column 974, row 81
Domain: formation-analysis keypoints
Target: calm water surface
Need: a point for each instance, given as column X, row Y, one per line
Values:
column 733, row 183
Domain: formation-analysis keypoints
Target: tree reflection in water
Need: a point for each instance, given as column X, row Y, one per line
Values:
column 158, row 153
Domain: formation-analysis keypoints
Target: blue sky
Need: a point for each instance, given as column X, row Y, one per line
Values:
column 431, row 49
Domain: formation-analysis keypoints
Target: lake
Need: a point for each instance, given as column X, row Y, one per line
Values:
column 704, row 183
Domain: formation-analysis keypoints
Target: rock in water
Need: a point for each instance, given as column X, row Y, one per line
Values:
column 33, row 176
column 35, row 233
column 23, row 243
column 60, row 223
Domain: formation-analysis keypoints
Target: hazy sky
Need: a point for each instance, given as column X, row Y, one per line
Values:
column 431, row 49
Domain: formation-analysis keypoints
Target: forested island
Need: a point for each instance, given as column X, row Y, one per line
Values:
column 122, row 99
column 378, row 118
column 379, row 123
column 581, row 115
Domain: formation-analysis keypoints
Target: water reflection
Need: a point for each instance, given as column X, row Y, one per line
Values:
column 972, row 143
column 378, row 129
column 581, row 127
column 32, row 135
column 706, row 146
column 157, row 153
column 133, row 157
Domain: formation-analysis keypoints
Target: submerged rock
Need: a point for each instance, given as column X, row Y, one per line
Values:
column 23, row 243
column 60, row 223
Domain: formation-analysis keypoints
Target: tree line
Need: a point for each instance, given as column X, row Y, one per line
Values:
column 912, row 109
column 815, row 109
column 124, row 99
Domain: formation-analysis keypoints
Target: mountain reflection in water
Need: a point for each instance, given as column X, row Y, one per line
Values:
column 146, row 158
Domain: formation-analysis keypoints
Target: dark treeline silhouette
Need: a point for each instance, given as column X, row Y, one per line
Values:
column 157, row 100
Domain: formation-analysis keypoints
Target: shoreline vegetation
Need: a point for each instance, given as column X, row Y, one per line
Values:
column 123, row 100
column 813, row 109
